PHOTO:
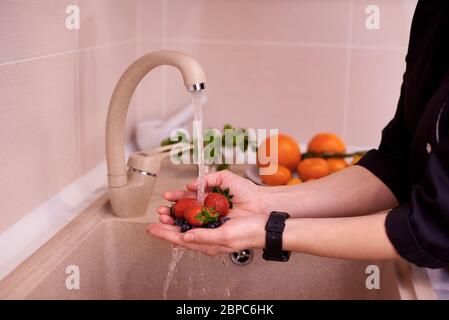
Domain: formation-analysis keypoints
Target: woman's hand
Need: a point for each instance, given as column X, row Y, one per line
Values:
column 248, row 197
column 360, row 237
column 243, row 231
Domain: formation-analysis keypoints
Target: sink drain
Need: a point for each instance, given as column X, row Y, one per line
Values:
column 242, row 257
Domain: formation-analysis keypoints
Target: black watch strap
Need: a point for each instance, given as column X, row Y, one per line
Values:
column 273, row 243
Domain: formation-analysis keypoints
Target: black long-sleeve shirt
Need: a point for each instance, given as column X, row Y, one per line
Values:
column 413, row 156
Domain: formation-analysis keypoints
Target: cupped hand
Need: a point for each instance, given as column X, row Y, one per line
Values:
column 245, row 230
column 248, row 197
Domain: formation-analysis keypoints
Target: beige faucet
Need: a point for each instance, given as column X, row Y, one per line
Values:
column 131, row 184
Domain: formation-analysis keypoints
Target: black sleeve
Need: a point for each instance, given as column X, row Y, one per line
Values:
column 419, row 229
column 390, row 162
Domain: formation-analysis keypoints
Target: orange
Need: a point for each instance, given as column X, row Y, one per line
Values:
column 336, row 164
column 326, row 142
column 293, row 181
column 279, row 178
column 312, row 168
column 289, row 154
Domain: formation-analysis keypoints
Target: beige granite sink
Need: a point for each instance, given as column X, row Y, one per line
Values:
column 117, row 259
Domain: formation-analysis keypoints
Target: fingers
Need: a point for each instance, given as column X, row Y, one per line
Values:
column 162, row 227
column 178, row 194
column 163, row 210
column 234, row 213
column 166, row 219
column 166, row 232
column 205, row 236
column 164, row 215
column 212, row 180
column 172, row 234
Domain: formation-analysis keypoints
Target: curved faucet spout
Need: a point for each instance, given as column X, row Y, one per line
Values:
column 194, row 79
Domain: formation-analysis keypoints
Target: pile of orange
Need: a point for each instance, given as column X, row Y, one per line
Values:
column 289, row 159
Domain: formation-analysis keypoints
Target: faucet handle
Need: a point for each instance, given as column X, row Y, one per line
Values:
column 149, row 162
column 145, row 163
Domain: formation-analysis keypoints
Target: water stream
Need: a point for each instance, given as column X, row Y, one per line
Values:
column 199, row 140
column 176, row 257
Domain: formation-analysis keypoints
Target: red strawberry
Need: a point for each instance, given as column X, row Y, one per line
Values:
column 198, row 216
column 217, row 202
column 182, row 205
column 220, row 200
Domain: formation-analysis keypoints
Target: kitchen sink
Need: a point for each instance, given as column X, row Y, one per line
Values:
column 119, row 260
column 115, row 258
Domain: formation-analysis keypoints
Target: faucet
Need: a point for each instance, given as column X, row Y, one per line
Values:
column 131, row 184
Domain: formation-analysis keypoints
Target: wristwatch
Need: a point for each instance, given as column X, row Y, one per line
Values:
column 273, row 243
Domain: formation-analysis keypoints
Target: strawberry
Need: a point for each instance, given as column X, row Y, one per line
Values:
column 181, row 206
column 220, row 200
column 198, row 216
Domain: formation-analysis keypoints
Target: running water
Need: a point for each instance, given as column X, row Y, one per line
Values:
column 198, row 134
column 176, row 257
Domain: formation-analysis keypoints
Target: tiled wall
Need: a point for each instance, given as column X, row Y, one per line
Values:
column 55, row 86
column 302, row 66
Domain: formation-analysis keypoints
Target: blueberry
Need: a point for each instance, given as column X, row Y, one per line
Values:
column 185, row 227
column 213, row 225
column 179, row 222
column 224, row 219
